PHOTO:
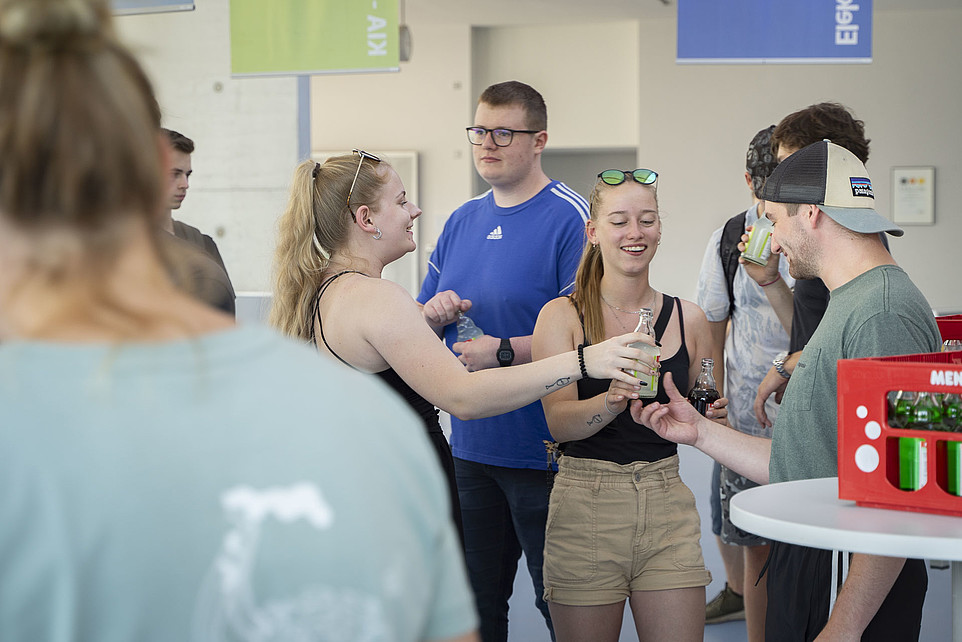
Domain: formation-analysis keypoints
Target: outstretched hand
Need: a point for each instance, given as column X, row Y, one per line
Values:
column 676, row 421
column 611, row 359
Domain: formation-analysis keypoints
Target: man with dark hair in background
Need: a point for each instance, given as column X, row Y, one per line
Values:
column 742, row 356
column 196, row 261
column 801, row 308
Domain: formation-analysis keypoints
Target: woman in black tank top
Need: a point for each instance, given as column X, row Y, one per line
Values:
column 621, row 523
column 346, row 220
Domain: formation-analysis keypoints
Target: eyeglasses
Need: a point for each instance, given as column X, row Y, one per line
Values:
column 617, row 176
column 502, row 136
column 362, row 155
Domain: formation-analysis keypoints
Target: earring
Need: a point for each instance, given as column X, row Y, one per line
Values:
column 378, row 235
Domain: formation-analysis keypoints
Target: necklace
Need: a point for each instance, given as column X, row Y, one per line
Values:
column 617, row 318
column 615, row 307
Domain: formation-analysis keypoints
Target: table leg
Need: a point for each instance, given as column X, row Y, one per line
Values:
column 957, row 601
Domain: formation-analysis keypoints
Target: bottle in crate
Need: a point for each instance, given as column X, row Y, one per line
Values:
column 926, row 413
column 952, row 412
column 953, row 467
column 902, row 412
column 913, row 463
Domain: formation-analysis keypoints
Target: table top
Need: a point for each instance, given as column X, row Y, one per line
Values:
column 808, row 512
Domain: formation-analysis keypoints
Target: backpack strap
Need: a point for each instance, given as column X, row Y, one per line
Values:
column 728, row 252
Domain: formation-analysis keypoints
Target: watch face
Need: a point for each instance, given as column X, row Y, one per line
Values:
column 504, row 355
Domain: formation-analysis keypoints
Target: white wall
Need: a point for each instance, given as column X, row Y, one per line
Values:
column 422, row 108
column 607, row 85
column 703, row 117
column 587, row 73
column 245, row 131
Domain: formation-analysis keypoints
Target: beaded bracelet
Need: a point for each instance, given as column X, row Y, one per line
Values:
column 581, row 360
column 775, row 280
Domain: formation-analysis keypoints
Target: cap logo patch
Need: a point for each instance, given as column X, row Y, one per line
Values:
column 862, row 187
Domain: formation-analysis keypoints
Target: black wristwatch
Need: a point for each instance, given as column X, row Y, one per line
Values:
column 505, row 353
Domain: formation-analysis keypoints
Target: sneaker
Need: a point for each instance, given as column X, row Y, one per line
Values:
column 725, row 607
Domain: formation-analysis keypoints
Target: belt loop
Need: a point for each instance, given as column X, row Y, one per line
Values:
column 597, row 486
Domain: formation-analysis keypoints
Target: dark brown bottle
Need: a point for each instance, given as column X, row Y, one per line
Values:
column 703, row 394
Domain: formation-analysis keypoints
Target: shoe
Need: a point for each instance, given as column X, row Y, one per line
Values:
column 727, row 606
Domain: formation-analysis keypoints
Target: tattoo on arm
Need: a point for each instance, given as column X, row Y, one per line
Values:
column 596, row 419
column 560, row 383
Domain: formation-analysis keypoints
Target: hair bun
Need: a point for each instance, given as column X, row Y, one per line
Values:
column 55, row 23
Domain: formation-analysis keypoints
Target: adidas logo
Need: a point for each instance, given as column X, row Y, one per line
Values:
column 495, row 234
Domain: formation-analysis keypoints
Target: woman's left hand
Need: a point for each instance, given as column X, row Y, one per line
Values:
column 718, row 411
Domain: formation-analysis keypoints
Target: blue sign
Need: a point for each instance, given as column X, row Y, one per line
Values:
column 774, row 31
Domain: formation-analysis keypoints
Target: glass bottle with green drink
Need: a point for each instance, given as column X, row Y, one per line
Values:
column 649, row 381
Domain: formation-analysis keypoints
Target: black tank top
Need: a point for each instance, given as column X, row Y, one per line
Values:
column 425, row 409
column 623, row 441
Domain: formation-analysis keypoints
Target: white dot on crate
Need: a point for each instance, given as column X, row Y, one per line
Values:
column 873, row 430
column 862, row 412
column 866, row 458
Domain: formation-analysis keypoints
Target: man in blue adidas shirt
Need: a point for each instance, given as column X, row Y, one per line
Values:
column 502, row 256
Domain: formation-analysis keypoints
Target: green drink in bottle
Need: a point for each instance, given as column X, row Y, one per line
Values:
column 649, row 382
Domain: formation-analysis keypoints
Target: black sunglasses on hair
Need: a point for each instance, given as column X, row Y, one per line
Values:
column 618, row 176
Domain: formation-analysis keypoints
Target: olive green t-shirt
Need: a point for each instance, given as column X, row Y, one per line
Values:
column 879, row 313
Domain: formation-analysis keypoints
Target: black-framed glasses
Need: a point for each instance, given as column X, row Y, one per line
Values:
column 502, row 136
column 362, row 155
column 618, row 176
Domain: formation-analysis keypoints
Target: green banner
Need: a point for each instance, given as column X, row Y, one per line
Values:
column 280, row 37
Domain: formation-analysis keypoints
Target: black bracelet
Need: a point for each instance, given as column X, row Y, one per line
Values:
column 581, row 360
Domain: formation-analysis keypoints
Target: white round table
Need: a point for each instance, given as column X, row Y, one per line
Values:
column 809, row 513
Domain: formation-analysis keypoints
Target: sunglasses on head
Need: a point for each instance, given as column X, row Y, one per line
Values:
column 361, row 154
column 617, row 176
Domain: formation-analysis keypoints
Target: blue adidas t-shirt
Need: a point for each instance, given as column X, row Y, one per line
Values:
column 509, row 261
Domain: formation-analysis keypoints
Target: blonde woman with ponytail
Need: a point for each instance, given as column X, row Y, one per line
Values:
column 616, row 472
column 165, row 474
column 346, row 220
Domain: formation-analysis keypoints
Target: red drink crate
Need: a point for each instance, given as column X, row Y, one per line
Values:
column 868, row 447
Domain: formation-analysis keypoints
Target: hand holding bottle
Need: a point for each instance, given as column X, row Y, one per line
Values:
column 444, row 308
column 616, row 357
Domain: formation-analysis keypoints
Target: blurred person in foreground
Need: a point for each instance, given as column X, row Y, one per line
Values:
column 164, row 474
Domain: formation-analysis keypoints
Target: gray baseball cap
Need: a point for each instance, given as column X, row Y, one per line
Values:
column 830, row 176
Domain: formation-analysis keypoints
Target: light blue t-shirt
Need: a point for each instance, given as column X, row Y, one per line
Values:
column 235, row 486
column 509, row 261
column 756, row 335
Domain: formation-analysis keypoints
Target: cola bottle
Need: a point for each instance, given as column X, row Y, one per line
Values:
column 704, row 393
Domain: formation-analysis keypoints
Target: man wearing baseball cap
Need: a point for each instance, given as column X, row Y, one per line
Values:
column 821, row 202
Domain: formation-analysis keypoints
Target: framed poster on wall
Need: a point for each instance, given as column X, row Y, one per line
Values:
column 913, row 195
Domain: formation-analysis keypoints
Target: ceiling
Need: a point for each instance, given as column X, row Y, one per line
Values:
column 521, row 12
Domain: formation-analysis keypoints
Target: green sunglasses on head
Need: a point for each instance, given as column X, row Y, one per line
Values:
column 617, row 176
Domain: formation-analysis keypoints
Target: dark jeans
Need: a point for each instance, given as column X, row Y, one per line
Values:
column 799, row 586
column 504, row 511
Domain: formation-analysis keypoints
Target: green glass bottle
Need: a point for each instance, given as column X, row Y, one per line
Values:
column 902, row 412
column 952, row 412
column 926, row 413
